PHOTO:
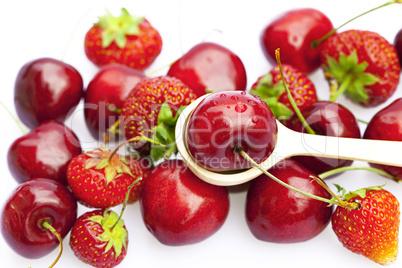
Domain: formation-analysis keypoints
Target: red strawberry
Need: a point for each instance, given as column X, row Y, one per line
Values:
column 127, row 39
column 373, row 229
column 271, row 90
column 152, row 109
column 96, row 240
column 364, row 64
column 96, row 182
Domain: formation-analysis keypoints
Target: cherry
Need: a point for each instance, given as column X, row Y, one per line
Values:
column 386, row 124
column 180, row 209
column 105, row 95
column 398, row 44
column 223, row 123
column 210, row 67
column 277, row 214
column 294, row 33
column 31, row 206
column 46, row 89
column 43, row 152
column 330, row 119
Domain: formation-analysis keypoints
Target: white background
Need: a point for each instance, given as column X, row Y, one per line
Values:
column 34, row 29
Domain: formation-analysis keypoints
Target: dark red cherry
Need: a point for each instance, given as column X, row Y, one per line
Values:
column 398, row 44
column 43, row 152
column 294, row 32
column 277, row 214
column 386, row 124
column 31, row 204
column 329, row 119
column 178, row 208
column 46, row 89
column 105, row 95
column 227, row 121
column 210, row 67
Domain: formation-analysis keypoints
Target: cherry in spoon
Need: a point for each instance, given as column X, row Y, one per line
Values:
column 286, row 143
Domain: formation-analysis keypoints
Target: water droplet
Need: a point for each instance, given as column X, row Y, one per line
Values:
column 234, row 98
column 222, row 95
column 243, row 93
column 254, row 119
column 214, row 103
column 240, row 107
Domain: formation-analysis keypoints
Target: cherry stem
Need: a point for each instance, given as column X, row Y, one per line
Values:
column 317, row 42
column 49, row 227
column 335, row 201
column 132, row 140
column 290, row 97
column 126, row 201
column 329, row 173
column 18, row 122
column 342, row 88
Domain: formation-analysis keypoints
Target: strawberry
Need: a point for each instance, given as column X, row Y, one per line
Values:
column 97, row 240
column 98, row 182
column 271, row 90
column 126, row 39
column 151, row 111
column 371, row 230
column 364, row 64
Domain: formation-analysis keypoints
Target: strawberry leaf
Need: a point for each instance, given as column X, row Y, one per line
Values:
column 116, row 29
column 347, row 68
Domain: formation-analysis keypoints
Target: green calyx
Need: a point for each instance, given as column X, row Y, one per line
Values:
column 115, row 29
column 360, row 192
column 114, row 165
column 114, row 233
column 351, row 76
column 164, row 133
column 270, row 93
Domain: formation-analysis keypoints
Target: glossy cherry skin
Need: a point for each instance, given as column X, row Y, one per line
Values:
column 293, row 32
column 398, row 44
column 212, row 67
column 180, row 209
column 386, row 124
column 277, row 214
column 105, row 95
column 226, row 121
column 46, row 89
column 31, row 203
column 329, row 119
column 43, row 152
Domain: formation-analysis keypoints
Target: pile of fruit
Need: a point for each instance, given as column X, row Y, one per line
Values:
column 87, row 198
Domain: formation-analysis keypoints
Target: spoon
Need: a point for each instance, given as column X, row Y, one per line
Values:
column 291, row 143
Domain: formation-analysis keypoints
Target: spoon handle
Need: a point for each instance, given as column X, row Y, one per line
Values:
column 373, row 151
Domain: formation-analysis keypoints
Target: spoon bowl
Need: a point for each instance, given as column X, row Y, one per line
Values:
column 291, row 143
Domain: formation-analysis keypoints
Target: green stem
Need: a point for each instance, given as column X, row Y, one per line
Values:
column 343, row 169
column 125, row 201
column 246, row 156
column 14, row 118
column 345, row 84
column 316, row 43
column 290, row 97
column 49, row 227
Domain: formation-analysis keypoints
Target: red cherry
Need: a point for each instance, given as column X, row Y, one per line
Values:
column 46, row 89
column 105, row 95
column 31, row 203
column 386, row 124
column 44, row 152
column 180, row 209
column 294, row 32
column 398, row 44
column 277, row 214
column 210, row 67
column 330, row 119
column 224, row 122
